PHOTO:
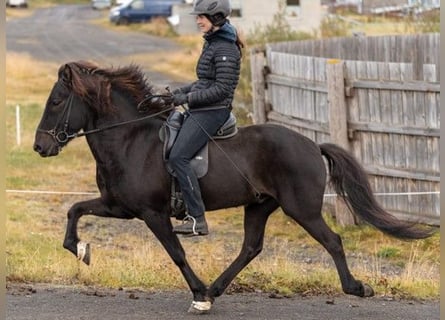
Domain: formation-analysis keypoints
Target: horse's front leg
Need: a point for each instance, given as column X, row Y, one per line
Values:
column 162, row 228
column 89, row 207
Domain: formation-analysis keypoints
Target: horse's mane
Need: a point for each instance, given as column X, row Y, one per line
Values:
column 94, row 84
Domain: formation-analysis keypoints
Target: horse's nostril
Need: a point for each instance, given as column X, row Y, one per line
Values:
column 37, row 148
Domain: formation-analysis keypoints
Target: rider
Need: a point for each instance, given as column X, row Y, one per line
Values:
column 207, row 103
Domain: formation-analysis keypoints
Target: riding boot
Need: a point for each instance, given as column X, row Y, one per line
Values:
column 192, row 226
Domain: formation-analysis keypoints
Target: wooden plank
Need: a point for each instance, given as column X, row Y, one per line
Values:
column 397, row 129
column 408, row 119
column 376, row 152
column 308, row 95
column 353, row 106
column 397, row 118
column 385, row 111
column 396, row 85
column 296, row 83
column 399, row 173
column 298, row 123
column 421, row 154
column 431, row 101
column 320, row 100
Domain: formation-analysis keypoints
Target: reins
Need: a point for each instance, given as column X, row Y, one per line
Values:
column 114, row 125
column 63, row 136
column 80, row 134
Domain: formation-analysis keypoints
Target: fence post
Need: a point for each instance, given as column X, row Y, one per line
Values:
column 257, row 62
column 17, row 125
column 338, row 127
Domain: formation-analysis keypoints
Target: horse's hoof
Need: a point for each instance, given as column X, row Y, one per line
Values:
column 200, row 307
column 367, row 290
column 83, row 252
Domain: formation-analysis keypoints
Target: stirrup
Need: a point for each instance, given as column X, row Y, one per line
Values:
column 189, row 217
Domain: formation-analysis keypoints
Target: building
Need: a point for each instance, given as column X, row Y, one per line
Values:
column 384, row 6
column 301, row 15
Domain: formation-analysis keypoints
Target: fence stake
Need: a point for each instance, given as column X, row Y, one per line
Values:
column 257, row 65
column 338, row 127
column 17, row 124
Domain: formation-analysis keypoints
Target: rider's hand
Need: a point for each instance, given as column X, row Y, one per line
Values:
column 180, row 99
column 182, row 109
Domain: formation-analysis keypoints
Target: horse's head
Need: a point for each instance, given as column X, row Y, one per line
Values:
column 63, row 116
column 85, row 93
column 61, row 119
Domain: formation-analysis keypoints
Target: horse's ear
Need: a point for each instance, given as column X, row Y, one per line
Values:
column 66, row 74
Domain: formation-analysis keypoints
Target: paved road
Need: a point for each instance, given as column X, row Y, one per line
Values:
column 43, row 302
column 63, row 33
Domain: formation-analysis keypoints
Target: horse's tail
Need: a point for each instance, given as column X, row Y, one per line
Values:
column 350, row 181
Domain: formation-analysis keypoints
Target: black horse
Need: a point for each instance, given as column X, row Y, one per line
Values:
column 270, row 167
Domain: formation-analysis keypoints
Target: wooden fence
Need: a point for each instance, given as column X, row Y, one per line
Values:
column 385, row 112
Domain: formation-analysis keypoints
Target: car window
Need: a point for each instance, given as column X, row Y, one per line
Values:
column 137, row 5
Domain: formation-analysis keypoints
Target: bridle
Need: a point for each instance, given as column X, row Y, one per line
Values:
column 62, row 136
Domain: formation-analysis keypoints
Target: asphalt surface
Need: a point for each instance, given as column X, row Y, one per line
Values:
column 64, row 33
column 47, row 302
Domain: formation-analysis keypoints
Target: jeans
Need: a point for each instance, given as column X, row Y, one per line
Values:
column 191, row 138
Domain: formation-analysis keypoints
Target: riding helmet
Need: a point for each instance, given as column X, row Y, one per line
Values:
column 215, row 10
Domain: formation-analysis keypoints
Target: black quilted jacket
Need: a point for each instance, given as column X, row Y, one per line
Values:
column 218, row 71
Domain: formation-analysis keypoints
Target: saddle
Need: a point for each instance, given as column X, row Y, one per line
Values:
column 200, row 163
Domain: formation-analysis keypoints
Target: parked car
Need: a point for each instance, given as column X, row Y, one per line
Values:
column 17, row 3
column 141, row 10
column 101, row 4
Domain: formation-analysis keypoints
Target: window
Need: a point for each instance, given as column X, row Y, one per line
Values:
column 137, row 5
column 293, row 8
column 236, row 8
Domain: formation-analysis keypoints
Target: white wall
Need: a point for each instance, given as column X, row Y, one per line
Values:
column 307, row 17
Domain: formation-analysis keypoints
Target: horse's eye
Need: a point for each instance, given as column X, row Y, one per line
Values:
column 56, row 102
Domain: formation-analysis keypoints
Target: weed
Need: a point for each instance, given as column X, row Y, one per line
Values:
column 388, row 252
column 333, row 26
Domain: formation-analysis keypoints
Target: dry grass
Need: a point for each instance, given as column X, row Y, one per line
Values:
column 28, row 81
column 12, row 13
column 125, row 253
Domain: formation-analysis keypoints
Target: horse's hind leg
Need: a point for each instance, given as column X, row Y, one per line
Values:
column 313, row 223
column 255, row 219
